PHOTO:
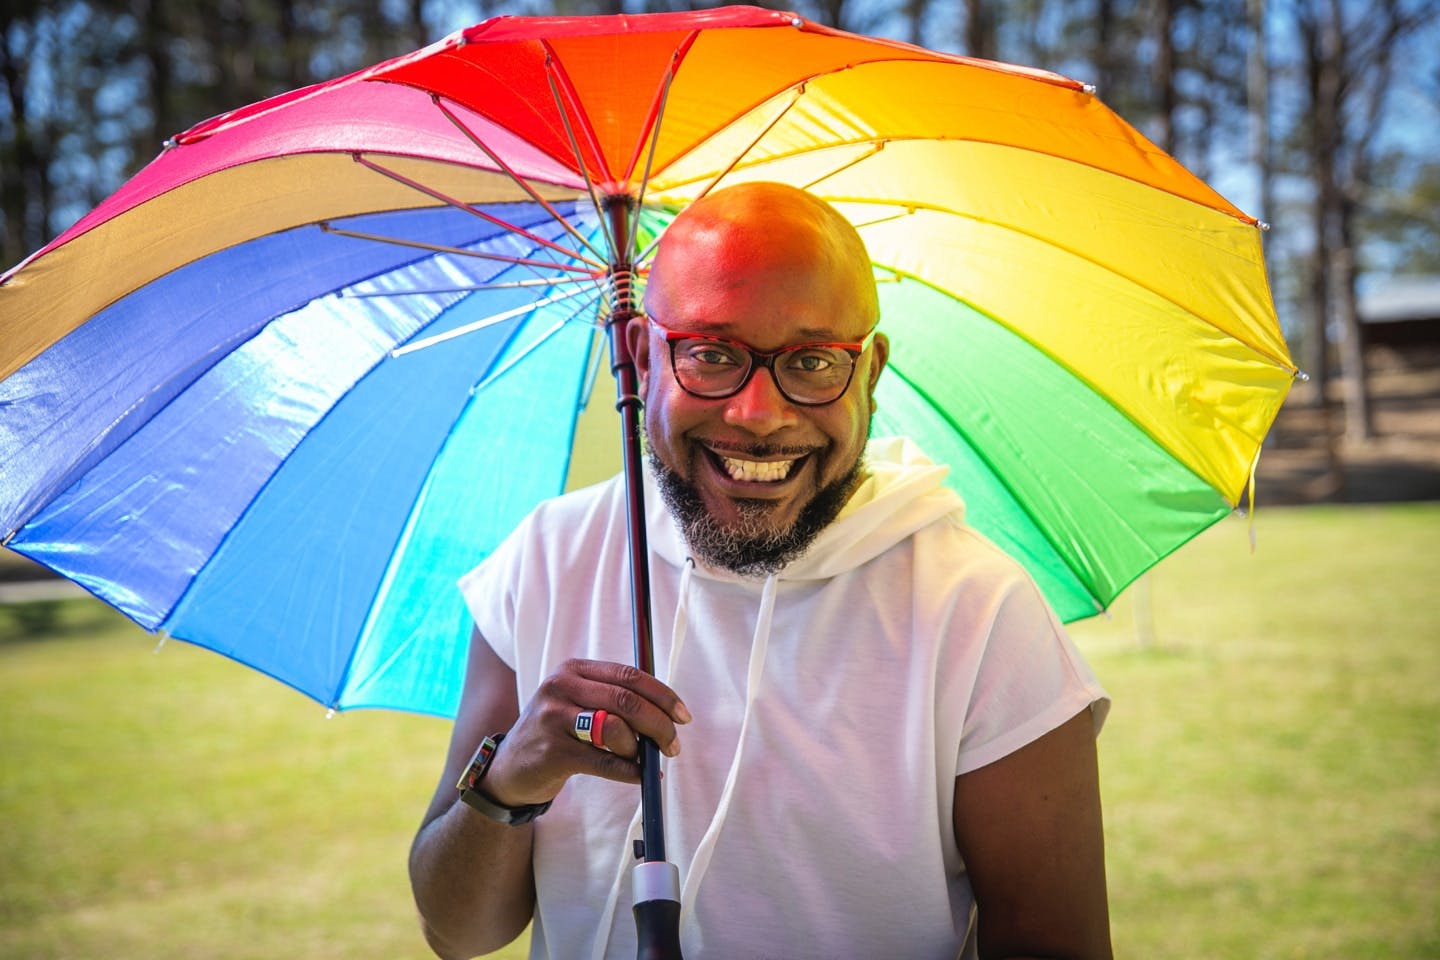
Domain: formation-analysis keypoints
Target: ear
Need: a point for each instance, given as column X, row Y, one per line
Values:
column 879, row 355
column 637, row 340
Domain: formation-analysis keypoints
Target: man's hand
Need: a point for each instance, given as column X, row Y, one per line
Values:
column 472, row 877
column 541, row 750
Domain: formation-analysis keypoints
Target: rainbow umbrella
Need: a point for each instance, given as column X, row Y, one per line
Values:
column 316, row 359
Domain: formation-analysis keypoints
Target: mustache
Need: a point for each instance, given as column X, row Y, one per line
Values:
column 758, row 450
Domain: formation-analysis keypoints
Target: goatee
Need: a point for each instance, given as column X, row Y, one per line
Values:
column 752, row 546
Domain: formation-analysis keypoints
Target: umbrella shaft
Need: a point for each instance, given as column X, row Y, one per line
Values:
column 628, row 403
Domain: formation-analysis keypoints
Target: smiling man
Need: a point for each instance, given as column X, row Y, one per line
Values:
column 757, row 447
column 889, row 743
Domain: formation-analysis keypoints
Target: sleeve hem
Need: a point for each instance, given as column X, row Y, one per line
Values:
column 1091, row 696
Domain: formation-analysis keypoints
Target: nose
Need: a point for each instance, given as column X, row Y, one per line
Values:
column 760, row 408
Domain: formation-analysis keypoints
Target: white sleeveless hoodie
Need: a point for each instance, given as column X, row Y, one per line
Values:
column 809, row 811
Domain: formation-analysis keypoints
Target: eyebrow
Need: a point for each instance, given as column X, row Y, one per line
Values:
column 807, row 334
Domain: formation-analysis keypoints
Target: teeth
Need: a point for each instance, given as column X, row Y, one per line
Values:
column 757, row 472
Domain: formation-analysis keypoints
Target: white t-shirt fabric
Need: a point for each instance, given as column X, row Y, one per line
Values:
column 810, row 808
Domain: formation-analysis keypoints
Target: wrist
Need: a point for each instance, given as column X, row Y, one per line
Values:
column 473, row 787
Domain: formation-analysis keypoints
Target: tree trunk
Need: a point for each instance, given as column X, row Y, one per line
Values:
column 915, row 20
column 1322, row 87
column 293, row 68
column 1258, row 77
column 1104, row 57
column 979, row 29
column 25, row 187
column 1164, row 75
column 419, row 32
column 154, row 41
column 1322, row 39
column 1359, row 423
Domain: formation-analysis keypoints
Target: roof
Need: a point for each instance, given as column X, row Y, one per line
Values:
column 1400, row 299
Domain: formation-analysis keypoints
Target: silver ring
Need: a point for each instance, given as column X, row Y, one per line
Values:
column 585, row 726
column 590, row 727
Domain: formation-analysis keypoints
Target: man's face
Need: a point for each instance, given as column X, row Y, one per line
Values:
column 753, row 477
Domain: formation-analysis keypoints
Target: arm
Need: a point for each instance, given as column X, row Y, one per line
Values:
column 1029, row 830
column 472, row 877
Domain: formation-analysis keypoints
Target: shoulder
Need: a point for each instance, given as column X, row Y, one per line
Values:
column 950, row 554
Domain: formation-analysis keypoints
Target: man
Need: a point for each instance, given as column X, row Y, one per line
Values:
column 888, row 743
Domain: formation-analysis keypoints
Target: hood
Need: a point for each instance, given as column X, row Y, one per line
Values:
column 903, row 491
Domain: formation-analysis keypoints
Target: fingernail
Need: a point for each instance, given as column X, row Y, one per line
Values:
column 672, row 749
column 682, row 712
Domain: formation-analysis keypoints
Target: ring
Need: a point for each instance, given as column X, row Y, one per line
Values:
column 590, row 727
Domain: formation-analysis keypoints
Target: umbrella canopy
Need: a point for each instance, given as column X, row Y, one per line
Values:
column 319, row 357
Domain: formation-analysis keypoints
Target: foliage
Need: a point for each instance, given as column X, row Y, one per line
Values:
column 1268, row 771
column 93, row 87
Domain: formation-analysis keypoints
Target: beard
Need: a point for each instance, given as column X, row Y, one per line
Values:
column 752, row 546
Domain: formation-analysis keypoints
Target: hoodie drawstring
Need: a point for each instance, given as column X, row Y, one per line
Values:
column 759, row 644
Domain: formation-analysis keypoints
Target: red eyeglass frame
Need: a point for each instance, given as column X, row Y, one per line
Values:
column 765, row 359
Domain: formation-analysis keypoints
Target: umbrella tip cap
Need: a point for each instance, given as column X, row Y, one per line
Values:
column 1088, row 88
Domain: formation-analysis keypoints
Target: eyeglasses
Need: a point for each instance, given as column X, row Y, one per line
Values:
column 808, row 374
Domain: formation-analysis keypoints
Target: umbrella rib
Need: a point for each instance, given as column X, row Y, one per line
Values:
column 653, row 125
column 794, row 98
column 555, row 70
column 539, row 341
column 481, row 324
column 520, row 181
column 462, row 205
column 875, row 148
column 575, row 147
column 594, row 374
column 657, row 109
column 457, row 251
column 468, row 288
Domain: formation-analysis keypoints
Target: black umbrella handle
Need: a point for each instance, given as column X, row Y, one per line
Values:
column 657, row 911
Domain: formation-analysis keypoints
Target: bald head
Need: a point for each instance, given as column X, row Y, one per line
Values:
column 769, row 238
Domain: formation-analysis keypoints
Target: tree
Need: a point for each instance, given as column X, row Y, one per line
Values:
column 93, row 88
column 980, row 29
column 1349, row 55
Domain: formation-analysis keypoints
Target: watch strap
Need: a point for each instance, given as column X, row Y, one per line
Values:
column 470, row 792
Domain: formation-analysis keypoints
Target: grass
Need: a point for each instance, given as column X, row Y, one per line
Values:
column 1270, row 771
column 1272, row 766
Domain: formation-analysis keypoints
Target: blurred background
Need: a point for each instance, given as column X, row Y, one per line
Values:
column 1320, row 117
column 1272, row 767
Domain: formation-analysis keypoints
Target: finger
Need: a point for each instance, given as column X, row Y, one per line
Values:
column 617, row 737
column 642, row 684
column 637, row 716
column 607, row 731
column 622, row 691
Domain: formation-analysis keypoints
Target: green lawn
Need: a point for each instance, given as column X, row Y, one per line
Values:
column 1271, row 771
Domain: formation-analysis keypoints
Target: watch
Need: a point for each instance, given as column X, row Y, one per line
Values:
column 469, row 787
